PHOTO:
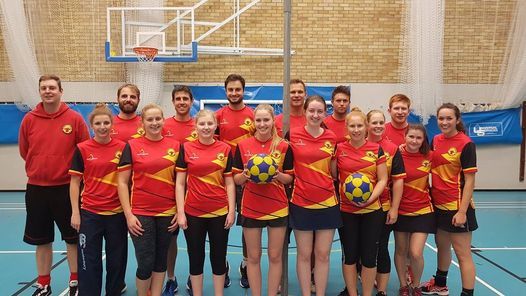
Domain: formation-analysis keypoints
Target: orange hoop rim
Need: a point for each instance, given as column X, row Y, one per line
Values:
column 145, row 53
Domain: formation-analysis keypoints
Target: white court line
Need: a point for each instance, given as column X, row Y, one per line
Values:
column 12, row 203
column 27, row 252
column 499, row 249
column 10, row 209
column 476, row 277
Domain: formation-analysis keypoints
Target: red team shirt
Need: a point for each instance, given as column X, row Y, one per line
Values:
column 452, row 158
column 235, row 125
column 313, row 183
column 153, row 175
column 96, row 164
column 126, row 129
column 206, row 167
column 338, row 127
column 182, row 131
column 395, row 170
column 415, row 198
column 263, row 201
column 362, row 160
column 294, row 122
column 395, row 135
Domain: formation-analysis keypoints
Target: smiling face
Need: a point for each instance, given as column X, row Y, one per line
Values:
column 315, row 113
column 206, row 126
column 297, row 95
column 413, row 140
column 356, row 128
column 128, row 100
column 399, row 112
column 153, row 121
column 234, row 92
column 101, row 125
column 182, row 103
column 50, row 92
column 376, row 125
column 447, row 121
column 264, row 123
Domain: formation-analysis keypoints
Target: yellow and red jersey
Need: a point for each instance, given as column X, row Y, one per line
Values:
column 294, row 122
column 206, row 167
column 363, row 160
column 452, row 158
column 182, row 131
column 395, row 135
column 415, row 198
column 96, row 164
column 234, row 125
column 313, row 183
column 127, row 129
column 263, row 201
column 153, row 175
column 395, row 170
column 338, row 127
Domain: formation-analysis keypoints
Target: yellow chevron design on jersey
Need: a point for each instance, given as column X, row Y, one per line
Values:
column 117, row 157
column 370, row 156
column 221, row 212
column 170, row 212
column 445, row 173
column 171, row 155
column 279, row 213
column 215, row 178
column 321, row 166
column 110, row 179
column 165, row 175
column 329, row 202
column 418, row 184
column 111, row 212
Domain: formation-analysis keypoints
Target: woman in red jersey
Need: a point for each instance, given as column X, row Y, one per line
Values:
column 100, row 217
column 314, row 213
column 416, row 218
column 264, row 205
column 453, row 169
column 390, row 197
column 362, row 222
column 204, row 169
column 149, row 162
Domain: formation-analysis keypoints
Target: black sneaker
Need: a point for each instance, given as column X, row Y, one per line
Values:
column 381, row 293
column 228, row 282
column 73, row 288
column 189, row 287
column 243, row 281
column 344, row 292
column 44, row 290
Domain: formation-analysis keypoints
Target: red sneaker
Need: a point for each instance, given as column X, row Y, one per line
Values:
column 430, row 288
column 404, row 291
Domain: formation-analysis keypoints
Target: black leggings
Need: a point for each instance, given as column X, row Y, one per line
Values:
column 384, row 259
column 195, row 236
column 360, row 235
column 151, row 248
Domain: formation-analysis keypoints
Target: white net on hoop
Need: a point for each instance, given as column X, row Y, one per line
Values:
column 422, row 50
column 148, row 76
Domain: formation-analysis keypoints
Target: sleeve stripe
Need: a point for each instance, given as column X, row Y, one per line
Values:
column 76, row 173
column 470, row 170
column 179, row 169
column 123, row 168
column 399, row 176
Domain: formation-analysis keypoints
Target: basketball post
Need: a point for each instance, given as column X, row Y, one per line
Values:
column 287, row 9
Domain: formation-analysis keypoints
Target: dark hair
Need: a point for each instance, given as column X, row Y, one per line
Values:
column 314, row 98
column 298, row 81
column 341, row 89
column 425, row 148
column 460, row 125
column 235, row 77
column 133, row 87
column 183, row 88
column 50, row 77
column 100, row 109
column 399, row 98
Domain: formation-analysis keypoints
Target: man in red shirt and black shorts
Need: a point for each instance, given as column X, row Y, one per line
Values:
column 47, row 139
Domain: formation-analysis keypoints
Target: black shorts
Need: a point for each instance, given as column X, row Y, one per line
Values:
column 314, row 219
column 426, row 223
column 444, row 219
column 45, row 206
column 254, row 223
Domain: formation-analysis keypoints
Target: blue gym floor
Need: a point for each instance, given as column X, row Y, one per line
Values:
column 499, row 251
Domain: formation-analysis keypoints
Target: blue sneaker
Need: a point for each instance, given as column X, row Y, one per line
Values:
column 171, row 288
column 228, row 282
column 243, row 281
column 189, row 287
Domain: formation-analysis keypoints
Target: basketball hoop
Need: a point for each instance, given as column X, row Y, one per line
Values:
column 145, row 54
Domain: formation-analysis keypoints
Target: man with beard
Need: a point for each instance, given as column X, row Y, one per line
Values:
column 399, row 110
column 47, row 139
column 127, row 125
column 297, row 94
column 341, row 99
column 236, row 123
column 182, row 128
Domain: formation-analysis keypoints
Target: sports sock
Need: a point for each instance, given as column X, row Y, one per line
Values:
column 441, row 278
column 44, row 279
column 467, row 292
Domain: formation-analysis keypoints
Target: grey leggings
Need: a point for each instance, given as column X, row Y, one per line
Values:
column 152, row 246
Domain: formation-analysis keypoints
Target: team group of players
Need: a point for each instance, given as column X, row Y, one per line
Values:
column 150, row 176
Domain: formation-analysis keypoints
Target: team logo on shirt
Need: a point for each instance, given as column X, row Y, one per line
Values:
column 170, row 155
column 370, row 156
column 387, row 156
column 193, row 135
column 327, row 147
column 168, row 134
column 67, row 129
column 91, row 157
column 247, row 121
column 171, row 152
column 220, row 156
column 276, row 155
column 248, row 154
column 140, row 131
column 113, row 132
column 452, row 151
column 300, row 143
column 193, row 156
column 425, row 166
column 143, row 153
column 117, row 157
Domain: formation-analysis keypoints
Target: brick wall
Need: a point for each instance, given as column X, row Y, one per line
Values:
column 335, row 41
